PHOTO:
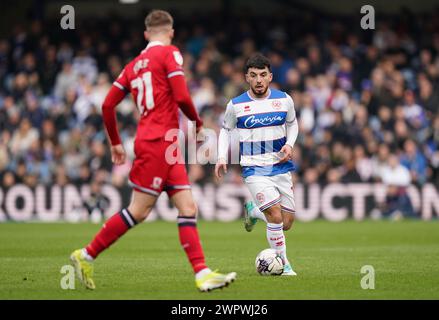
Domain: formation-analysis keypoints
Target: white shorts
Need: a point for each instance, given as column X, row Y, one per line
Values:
column 270, row 190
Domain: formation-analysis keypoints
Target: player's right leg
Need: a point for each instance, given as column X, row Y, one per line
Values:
column 287, row 218
column 115, row 227
column 179, row 192
column 275, row 235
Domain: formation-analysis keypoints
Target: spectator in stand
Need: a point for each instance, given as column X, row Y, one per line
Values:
column 415, row 162
column 23, row 138
column 396, row 179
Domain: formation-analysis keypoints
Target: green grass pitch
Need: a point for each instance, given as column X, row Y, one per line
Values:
column 148, row 262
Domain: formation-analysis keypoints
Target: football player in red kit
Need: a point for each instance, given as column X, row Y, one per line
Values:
column 157, row 84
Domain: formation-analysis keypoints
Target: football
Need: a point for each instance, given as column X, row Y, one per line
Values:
column 269, row 263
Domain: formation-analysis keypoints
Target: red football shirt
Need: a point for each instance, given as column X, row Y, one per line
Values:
column 146, row 77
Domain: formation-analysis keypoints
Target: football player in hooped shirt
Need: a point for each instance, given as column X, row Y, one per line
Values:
column 267, row 126
column 157, row 84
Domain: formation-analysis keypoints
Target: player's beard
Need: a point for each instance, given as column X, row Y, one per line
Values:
column 258, row 93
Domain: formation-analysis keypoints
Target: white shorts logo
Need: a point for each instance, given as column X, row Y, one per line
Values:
column 260, row 197
column 156, row 183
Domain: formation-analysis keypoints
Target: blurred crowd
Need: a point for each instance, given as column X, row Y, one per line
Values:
column 367, row 100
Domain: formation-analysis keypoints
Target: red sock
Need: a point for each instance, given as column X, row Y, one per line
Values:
column 190, row 241
column 112, row 230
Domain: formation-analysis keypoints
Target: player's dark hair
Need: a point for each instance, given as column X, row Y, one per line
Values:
column 258, row 61
column 158, row 18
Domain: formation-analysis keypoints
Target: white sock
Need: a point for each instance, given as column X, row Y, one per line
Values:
column 258, row 214
column 276, row 239
column 202, row 273
column 86, row 256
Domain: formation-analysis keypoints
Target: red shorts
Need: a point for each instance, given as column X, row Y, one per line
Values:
column 152, row 173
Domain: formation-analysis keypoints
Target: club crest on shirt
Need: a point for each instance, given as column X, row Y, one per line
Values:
column 276, row 104
column 246, row 108
column 178, row 57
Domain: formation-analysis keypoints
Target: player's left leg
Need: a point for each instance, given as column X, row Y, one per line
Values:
column 188, row 233
column 179, row 192
column 287, row 204
column 288, row 219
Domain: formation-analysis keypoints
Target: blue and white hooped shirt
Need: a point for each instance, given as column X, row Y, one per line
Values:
column 262, row 131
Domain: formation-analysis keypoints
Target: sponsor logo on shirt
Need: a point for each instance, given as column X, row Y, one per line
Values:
column 255, row 121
